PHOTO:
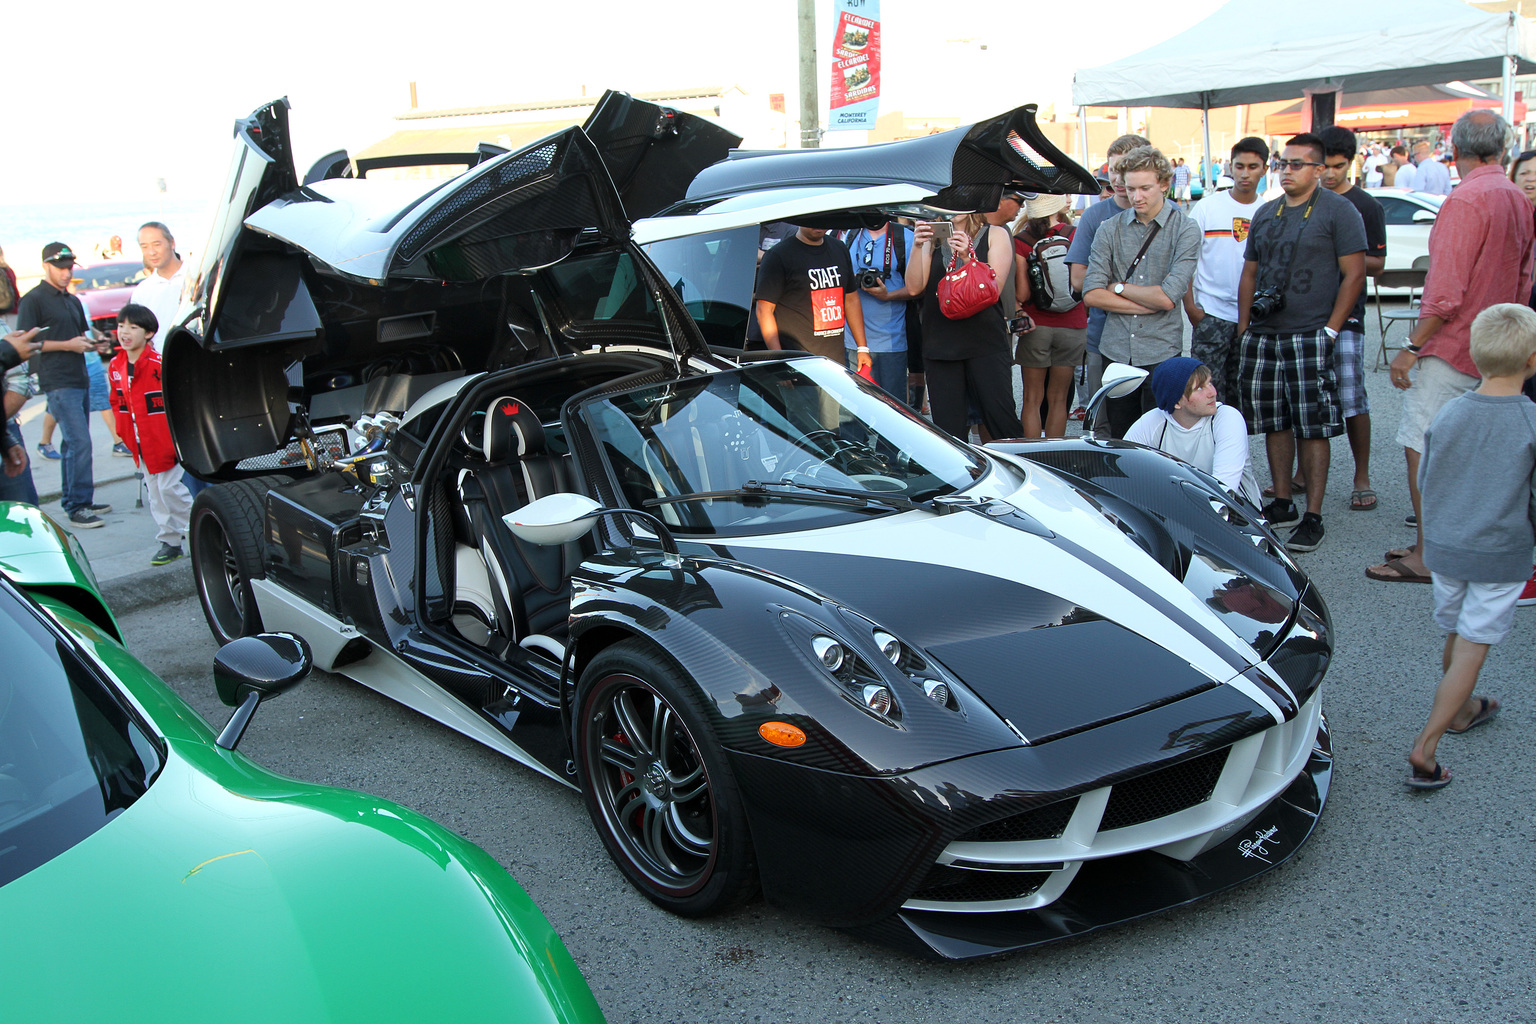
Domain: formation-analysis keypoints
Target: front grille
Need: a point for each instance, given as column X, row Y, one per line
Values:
column 1163, row 792
column 962, row 885
column 1046, row 822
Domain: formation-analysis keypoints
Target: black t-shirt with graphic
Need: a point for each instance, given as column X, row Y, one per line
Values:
column 1309, row 278
column 808, row 285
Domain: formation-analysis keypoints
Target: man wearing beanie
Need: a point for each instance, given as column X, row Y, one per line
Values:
column 1191, row 424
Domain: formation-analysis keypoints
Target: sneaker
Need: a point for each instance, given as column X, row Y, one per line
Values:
column 1411, row 521
column 168, row 553
column 82, row 519
column 1528, row 595
column 101, row 509
column 1281, row 512
column 1077, row 414
column 48, row 451
column 1308, row 535
column 121, row 451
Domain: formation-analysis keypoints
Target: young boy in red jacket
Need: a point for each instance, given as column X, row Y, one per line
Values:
column 133, row 379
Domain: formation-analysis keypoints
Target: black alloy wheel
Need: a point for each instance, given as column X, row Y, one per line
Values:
column 657, row 786
column 225, row 536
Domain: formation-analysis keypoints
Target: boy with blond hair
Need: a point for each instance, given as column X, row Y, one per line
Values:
column 1478, row 481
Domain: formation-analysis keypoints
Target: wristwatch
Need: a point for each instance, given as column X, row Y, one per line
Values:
column 1119, row 288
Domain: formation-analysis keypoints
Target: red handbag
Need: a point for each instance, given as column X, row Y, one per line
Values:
column 969, row 290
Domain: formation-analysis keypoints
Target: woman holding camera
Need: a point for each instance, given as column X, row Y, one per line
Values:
column 967, row 360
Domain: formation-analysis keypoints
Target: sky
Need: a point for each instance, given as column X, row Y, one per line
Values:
column 152, row 91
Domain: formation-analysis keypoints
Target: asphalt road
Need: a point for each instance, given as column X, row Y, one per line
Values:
column 1405, row 906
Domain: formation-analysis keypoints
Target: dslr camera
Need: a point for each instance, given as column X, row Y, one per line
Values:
column 1266, row 303
column 872, row 278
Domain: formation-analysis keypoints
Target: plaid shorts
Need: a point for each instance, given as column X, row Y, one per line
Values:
column 1291, row 384
column 1349, row 368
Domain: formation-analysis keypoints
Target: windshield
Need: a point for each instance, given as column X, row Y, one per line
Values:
column 804, row 422
column 109, row 275
column 71, row 758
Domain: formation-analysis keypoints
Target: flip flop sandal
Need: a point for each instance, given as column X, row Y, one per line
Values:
column 1485, row 714
column 1362, row 501
column 1400, row 573
column 1437, row 779
column 1395, row 553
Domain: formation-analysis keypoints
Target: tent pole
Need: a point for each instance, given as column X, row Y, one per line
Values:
column 1509, row 72
column 1205, row 131
column 1082, row 134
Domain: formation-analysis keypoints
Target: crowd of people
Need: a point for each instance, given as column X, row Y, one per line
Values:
column 1274, row 292
column 53, row 350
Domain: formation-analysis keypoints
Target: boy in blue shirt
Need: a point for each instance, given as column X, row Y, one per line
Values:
column 1478, row 481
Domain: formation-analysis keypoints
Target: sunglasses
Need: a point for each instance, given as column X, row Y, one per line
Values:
column 1295, row 165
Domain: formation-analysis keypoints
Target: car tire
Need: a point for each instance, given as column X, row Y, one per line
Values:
column 657, row 784
column 225, row 534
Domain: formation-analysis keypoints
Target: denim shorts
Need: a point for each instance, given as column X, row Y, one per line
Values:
column 97, row 371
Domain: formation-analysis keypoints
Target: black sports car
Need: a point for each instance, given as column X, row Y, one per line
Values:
column 778, row 630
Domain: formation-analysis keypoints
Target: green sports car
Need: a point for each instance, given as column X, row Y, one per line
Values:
column 150, row 872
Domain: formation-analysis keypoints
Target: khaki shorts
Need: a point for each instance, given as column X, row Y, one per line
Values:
column 1435, row 382
column 1052, row 346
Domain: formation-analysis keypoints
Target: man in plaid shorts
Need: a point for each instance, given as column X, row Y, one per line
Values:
column 1302, row 272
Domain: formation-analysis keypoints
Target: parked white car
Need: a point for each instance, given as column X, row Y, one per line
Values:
column 1410, row 215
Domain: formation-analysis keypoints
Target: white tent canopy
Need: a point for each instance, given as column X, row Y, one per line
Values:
column 1251, row 51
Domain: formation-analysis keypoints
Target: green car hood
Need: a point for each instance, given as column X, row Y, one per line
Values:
column 229, row 893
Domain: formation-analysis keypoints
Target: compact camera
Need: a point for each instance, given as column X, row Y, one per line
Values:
column 1266, row 303
column 872, row 278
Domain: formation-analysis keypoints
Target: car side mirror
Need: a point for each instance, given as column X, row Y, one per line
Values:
column 1119, row 381
column 553, row 519
column 562, row 517
column 252, row 669
column 1423, row 216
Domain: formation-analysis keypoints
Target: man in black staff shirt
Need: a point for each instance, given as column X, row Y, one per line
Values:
column 61, row 373
column 1302, row 271
column 807, row 293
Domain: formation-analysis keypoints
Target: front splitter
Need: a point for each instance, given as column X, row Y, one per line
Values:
column 1118, row 889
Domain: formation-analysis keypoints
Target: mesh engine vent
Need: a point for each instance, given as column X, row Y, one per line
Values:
column 962, row 885
column 1164, row 792
column 1046, row 822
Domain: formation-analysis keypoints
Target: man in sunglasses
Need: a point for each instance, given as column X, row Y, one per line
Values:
column 1302, row 271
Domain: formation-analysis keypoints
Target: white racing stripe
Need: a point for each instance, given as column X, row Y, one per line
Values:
column 977, row 544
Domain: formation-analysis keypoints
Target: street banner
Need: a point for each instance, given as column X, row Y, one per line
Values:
column 855, row 65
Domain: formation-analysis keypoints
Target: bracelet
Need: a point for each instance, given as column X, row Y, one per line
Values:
column 862, row 348
column 1333, row 335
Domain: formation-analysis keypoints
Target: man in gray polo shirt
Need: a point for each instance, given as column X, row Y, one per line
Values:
column 1142, row 262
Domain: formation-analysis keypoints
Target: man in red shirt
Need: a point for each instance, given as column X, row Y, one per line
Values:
column 133, row 380
column 1479, row 254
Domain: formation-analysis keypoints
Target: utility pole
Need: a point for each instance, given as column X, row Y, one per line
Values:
column 810, row 108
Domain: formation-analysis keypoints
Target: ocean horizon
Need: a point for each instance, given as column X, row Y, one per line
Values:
column 87, row 226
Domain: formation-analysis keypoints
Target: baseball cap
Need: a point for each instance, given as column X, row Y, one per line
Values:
column 59, row 254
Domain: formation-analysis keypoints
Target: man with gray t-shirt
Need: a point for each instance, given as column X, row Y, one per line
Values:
column 1303, row 269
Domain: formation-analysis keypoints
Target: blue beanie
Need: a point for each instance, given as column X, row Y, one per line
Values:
column 1171, row 378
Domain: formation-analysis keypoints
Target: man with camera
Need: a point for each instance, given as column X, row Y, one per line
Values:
column 879, row 256
column 1302, row 271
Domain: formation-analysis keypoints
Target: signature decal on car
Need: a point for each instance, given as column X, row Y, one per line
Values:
column 1255, row 847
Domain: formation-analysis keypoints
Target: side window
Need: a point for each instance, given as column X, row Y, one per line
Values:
column 1398, row 211
column 714, row 274
column 71, row 757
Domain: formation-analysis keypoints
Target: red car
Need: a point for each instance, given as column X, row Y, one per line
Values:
column 106, row 289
